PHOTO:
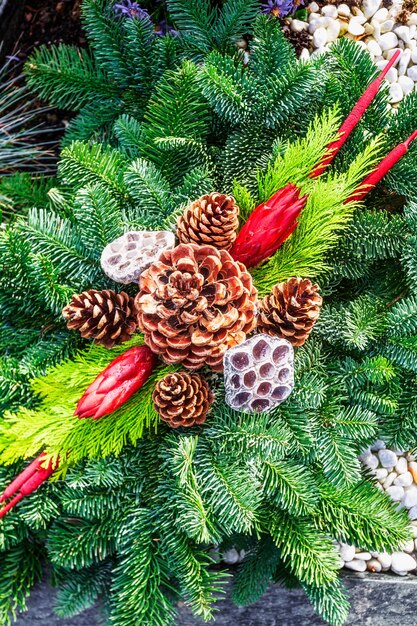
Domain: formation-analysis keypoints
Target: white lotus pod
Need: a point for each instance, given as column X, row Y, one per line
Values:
column 124, row 259
column 259, row 373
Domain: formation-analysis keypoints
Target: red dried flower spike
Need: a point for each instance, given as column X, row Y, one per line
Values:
column 117, row 383
column 353, row 118
column 268, row 226
column 27, row 482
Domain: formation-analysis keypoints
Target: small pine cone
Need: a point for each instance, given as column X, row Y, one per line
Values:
column 212, row 219
column 106, row 316
column 291, row 310
column 182, row 399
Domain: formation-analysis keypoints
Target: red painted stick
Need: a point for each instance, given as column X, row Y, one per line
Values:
column 381, row 170
column 27, row 482
column 353, row 118
column 21, row 479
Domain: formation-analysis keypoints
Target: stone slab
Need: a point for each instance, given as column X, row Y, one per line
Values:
column 377, row 600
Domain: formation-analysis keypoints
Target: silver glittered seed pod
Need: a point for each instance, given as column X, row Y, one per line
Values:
column 124, row 259
column 259, row 373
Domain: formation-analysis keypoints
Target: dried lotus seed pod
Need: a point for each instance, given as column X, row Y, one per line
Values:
column 259, row 373
column 124, row 259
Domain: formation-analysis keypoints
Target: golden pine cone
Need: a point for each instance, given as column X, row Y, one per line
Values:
column 195, row 303
column 212, row 219
column 291, row 310
column 106, row 316
column 182, row 399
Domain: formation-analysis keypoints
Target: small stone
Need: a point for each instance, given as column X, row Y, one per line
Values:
column 388, row 54
column 374, row 566
column 396, row 493
column 402, row 68
column 412, row 466
column 389, row 480
column 375, row 49
column 356, row 565
column 370, row 7
column 343, row 10
column 407, row 85
column 387, row 26
column 242, row 44
column 381, row 15
column 298, row 26
column 377, row 28
column 320, row 37
column 410, row 497
column 330, row 11
column 305, row 54
column 392, row 75
column 381, row 473
column 347, row 552
column 403, row 32
column 363, row 556
column 402, row 562
column 314, row 7
column 414, row 529
column 369, row 29
column 388, row 40
column 412, row 513
column 385, row 559
column 313, row 26
column 412, row 20
column 387, row 458
column 408, row 546
column 231, row 557
column 333, row 30
column 412, row 73
column 355, row 27
column 371, row 461
column 404, row 480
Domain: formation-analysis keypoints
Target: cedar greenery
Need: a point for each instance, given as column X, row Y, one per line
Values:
column 162, row 121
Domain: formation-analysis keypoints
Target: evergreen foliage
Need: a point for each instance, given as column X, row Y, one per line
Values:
column 164, row 120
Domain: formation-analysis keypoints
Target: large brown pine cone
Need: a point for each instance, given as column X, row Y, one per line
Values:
column 182, row 399
column 106, row 316
column 195, row 303
column 291, row 310
column 212, row 219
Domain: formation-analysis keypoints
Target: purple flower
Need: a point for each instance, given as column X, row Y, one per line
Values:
column 280, row 8
column 131, row 9
column 164, row 28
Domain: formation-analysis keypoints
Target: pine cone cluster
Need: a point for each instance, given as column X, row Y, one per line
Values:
column 212, row 219
column 195, row 303
column 106, row 316
column 182, row 399
column 291, row 310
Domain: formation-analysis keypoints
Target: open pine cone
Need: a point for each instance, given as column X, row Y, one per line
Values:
column 195, row 303
column 291, row 310
column 212, row 219
column 182, row 399
column 105, row 316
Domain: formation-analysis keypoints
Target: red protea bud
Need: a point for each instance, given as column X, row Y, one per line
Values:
column 268, row 226
column 117, row 383
column 27, row 482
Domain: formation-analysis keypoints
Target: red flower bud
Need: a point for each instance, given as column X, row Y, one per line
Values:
column 268, row 226
column 117, row 383
column 27, row 482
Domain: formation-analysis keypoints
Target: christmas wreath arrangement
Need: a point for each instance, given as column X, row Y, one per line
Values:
column 165, row 290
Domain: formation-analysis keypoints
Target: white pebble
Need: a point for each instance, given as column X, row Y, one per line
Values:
column 355, row 27
column 370, row 7
column 381, row 15
column 356, row 565
column 330, row 11
column 387, row 458
column 388, row 54
column 370, row 460
column 305, row 54
column 389, row 480
column 333, row 30
column 363, row 556
column 401, row 466
column 402, row 562
column 392, row 75
column 410, row 497
column 402, row 68
column 388, row 40
column 404, row 480
column 298, row 26
column 407, row 85
column 369, row 29
column 413, row 513
column 412, row 73
column 377, row 28
column 231, row 556
column 375, row 49
column 403, row 32
column 381, row 473
column 408, row 546
column 374, row 566
column 396, row 493
column 387, row 26
column 385, row 559
column 347, row 553
column 343, row 10
column 314, row 7
column 412, row 20
column 313, row 26
column 320, row 37
column 414, row 529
